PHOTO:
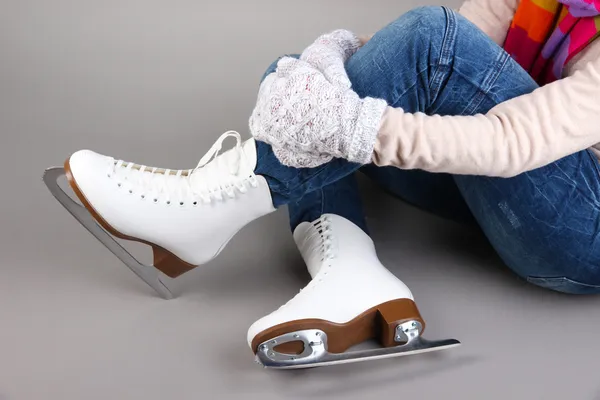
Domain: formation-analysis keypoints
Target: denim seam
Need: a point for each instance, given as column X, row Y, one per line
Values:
column 535, row 279
column 448, row 44
column 286, row 193
column 289, row 191
column 401, row 95
column 487, row 83
column 311, row 177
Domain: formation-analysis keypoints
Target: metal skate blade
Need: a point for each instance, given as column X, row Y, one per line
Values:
column 416, row 346
column 147, row 273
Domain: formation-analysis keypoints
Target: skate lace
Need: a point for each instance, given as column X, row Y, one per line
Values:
column 323, row 236
column 213, row 178
column 323, row 228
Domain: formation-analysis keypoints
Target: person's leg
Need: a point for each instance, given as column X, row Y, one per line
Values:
column 340, row 198
column 543, row 223
column 434, row 61
column 434, row 193
column 410, row 63
column 429, row 60
column 210, row 203
column 407, row 63
column 311, row 192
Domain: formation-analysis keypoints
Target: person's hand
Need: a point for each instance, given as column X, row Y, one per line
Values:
column 307, row 112
column 330, row 52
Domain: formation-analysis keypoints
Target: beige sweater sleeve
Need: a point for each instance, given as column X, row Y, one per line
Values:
column 491, row 16
column 516, row 136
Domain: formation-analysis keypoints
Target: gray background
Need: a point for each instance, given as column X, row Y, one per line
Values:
column 157, row 81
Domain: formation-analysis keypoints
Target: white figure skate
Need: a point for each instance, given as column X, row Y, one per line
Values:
column 351, row 298
column 186, row 216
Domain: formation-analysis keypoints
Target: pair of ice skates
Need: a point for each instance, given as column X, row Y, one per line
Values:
column 188, row 216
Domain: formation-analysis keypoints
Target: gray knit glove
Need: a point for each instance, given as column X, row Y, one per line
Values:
column 307, row 111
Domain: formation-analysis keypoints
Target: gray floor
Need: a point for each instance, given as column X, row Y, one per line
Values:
column 157, row 81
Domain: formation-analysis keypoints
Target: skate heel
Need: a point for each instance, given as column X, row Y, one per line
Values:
column 392, row 314
column 169, row 264
column 312, row 342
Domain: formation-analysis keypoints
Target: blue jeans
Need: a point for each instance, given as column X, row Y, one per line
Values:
column 544, row 224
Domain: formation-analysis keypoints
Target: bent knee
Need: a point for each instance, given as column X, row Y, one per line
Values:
column 425, row 20
column 428, row 15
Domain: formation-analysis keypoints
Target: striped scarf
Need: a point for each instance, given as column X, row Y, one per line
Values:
column 546, row 34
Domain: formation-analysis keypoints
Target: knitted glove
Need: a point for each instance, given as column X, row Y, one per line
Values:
column 307, row 112
column 330, row 52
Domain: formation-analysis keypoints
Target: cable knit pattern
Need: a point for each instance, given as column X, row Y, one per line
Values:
column 307, row 112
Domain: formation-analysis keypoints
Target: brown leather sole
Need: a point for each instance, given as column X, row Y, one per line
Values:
column 379, row 322
column 165, row 261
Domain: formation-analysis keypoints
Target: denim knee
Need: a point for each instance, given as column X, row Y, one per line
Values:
column 273, row 67
column 427, row 21
column 402, row 51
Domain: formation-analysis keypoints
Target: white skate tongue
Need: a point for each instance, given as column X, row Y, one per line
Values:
column 235, row 163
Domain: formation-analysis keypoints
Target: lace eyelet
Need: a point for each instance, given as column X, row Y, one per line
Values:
column 168, row 202
column 108, row 175
column 143, row 196
column 181, row 203
column 130, row 191
column 195, row 203
column 155, row 200
column 119, row 184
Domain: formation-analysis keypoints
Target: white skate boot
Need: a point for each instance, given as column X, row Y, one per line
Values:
column 186, row 216
column 351, row 298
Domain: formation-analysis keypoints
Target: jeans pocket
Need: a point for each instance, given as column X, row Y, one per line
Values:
column 564, row 285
